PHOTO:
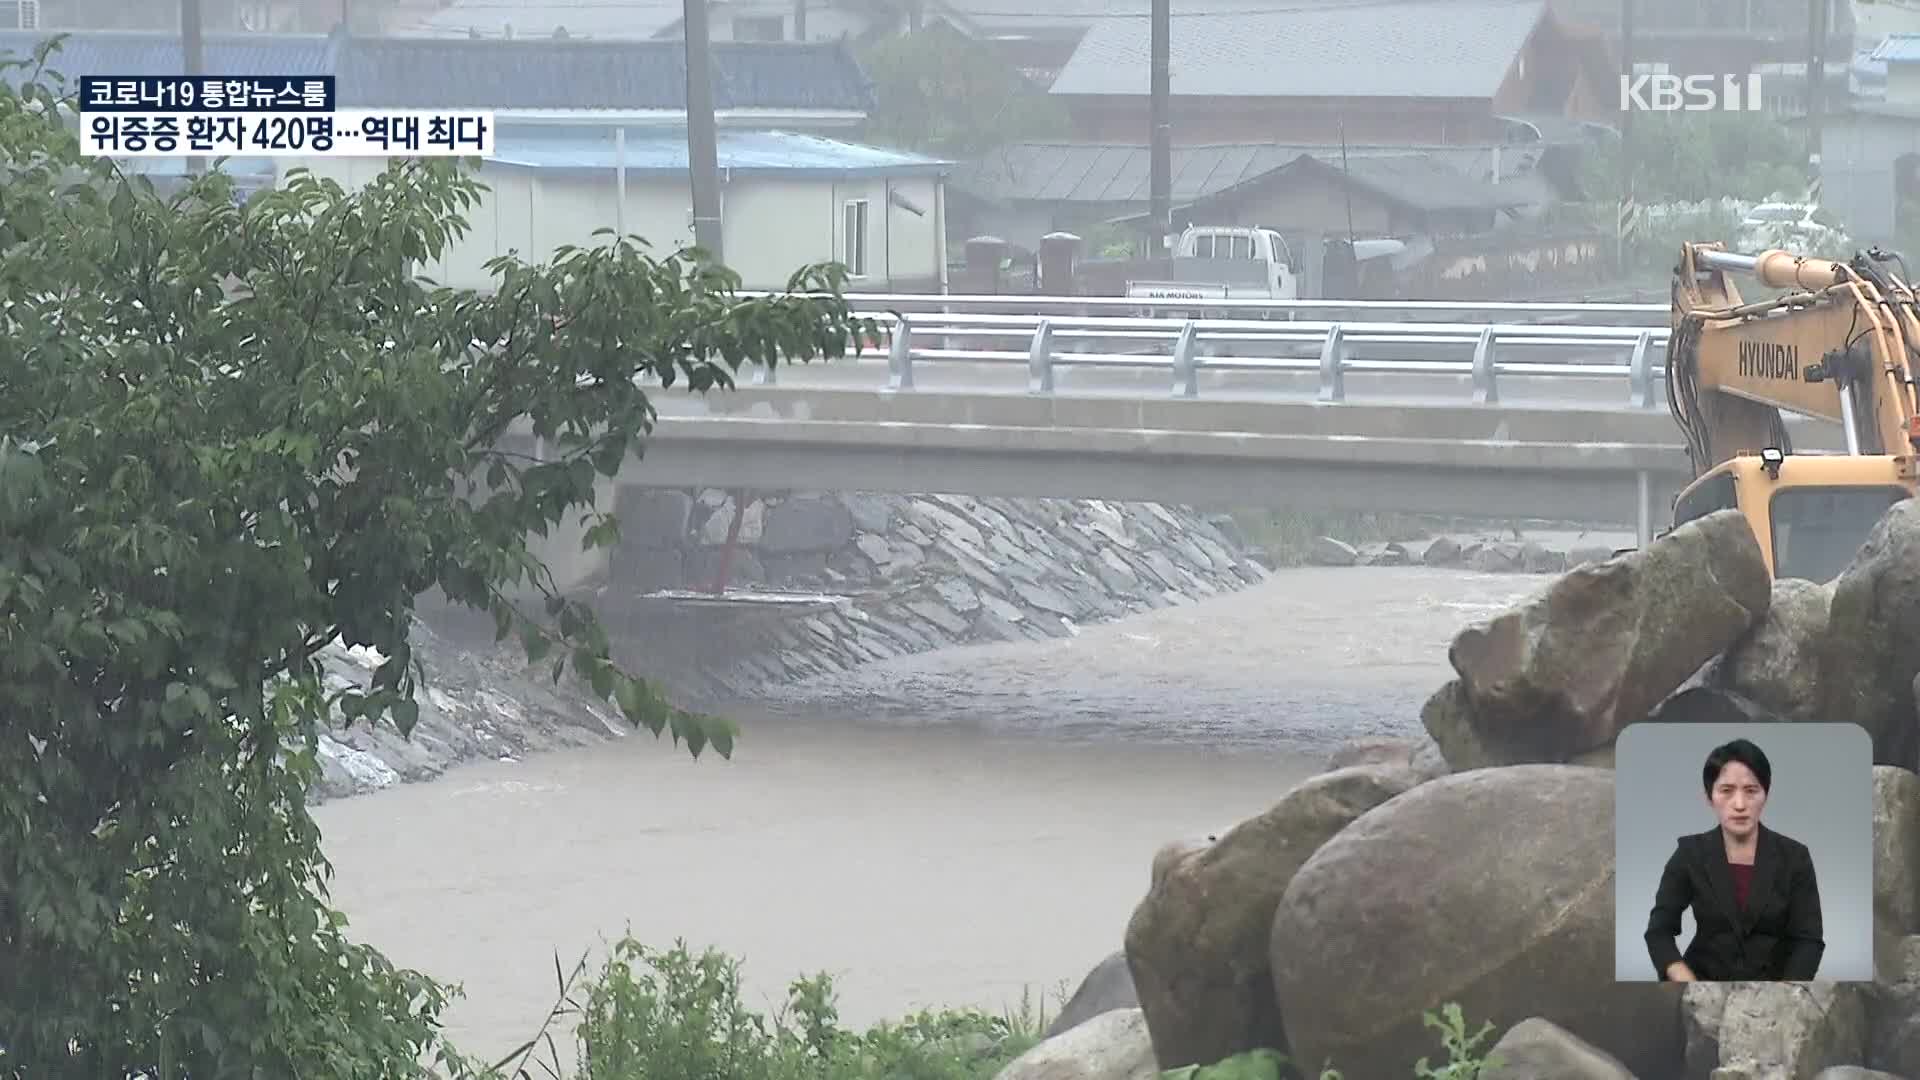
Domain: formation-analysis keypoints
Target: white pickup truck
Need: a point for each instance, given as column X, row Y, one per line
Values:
column 1218, row 262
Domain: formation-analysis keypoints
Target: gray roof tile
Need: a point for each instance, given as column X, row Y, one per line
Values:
column 143, row 52
column 1399, row 48
column 1120, row 175
column 1899, row 48
column 419, row 72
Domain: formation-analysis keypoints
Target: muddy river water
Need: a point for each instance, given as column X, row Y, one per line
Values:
column 947, row 829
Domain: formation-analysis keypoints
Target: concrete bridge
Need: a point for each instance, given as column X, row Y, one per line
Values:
column 1499, row 420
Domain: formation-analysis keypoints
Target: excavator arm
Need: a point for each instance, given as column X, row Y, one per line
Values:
column 1839, row 344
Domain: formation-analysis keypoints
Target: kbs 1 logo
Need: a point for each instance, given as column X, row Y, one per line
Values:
column 1690, row 93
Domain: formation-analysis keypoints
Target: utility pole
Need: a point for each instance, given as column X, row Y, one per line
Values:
column 702, row 153
column 799, row 20
column 1160, row 151
column 1627, row 163
column 1816, row 75
column 192, row 50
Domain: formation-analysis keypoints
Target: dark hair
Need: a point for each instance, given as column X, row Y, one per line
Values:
column 1745, row 753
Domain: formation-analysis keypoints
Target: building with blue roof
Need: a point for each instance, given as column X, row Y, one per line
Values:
column 786, row 199
column 795, row 85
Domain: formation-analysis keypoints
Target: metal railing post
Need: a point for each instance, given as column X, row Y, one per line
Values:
column 1040, row 359
column 900, row 356
column 1486, row 387
column 1644, row 533
column 1186, row 366
column 1640, row 371
column 1333, row 366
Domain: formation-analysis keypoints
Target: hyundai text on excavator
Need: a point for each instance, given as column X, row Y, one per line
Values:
column 1840, row 343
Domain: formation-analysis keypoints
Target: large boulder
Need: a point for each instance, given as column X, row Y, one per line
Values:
column 1777, row 664
column 1491, row 888
column 1712, row 705
column 1197, row 944
column 1111, row 1046
column 1420, row 755
column 1602, row 646
column 1773, row 1031
column 1107, row 987
column 1894, row 1011
column 1870, row 657
column 1537, row 1049
column 1896, row 851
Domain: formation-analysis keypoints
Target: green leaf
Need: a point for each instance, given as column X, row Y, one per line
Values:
column 536, row 643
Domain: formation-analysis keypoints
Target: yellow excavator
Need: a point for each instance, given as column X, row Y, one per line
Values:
column 1840, row 342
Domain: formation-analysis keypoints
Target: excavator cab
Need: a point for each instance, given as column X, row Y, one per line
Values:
column 1810, row 512
column 1839, row 344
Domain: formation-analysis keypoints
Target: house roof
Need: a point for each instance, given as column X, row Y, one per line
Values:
column 423, row 72
column 146, row 52
column 1394, row 49
column 664, row 150
column 594, row 74
column 1411, row 180
column 1897, row 48
column 540, row 18
column 1053, row 18
column 1120, row 174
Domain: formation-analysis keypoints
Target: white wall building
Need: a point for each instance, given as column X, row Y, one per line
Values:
column 786, row 200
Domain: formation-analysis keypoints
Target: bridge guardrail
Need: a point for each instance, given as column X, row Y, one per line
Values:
column 1510, row 311
column 1333, row 349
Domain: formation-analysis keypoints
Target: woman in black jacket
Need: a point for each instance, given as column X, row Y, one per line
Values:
column 1755, row 899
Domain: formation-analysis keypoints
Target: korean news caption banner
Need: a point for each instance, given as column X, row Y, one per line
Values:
column 271, row 116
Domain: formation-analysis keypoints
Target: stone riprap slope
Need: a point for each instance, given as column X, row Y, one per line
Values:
column 892, row 575
column 909, row 574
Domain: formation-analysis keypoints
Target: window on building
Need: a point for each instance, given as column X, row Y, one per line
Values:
column 759, row 28
column 854, row 229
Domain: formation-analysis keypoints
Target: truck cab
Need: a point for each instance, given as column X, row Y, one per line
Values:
column 1226, row 262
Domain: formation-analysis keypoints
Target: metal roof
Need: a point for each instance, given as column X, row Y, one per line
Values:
column 1898, row 49
column 1400, row 48
column 1415, row 181
column 1055, row 18
column 1054, row 172
column 664, row 150
column 599, row 74
column 589, row 18
column 142, row 52
column 425, row 72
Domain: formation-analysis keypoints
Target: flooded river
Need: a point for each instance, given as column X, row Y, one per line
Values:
column 946, row 829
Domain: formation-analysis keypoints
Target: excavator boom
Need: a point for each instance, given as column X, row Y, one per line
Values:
column 1839, row 343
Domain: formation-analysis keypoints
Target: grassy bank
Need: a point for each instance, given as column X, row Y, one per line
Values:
column 672, row 1014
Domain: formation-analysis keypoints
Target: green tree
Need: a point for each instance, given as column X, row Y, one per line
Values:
column 938, row 91
column 228, row 436
column 1691, row 156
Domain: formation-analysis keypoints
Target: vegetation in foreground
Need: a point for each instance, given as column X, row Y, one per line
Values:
column 231, row 434
column 652, row 1014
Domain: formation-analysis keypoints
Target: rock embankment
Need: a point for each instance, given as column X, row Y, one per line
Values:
column 1553, row 551
column 889, row 575
column 475, row 704
column 1477, row 867
column 904, row 574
